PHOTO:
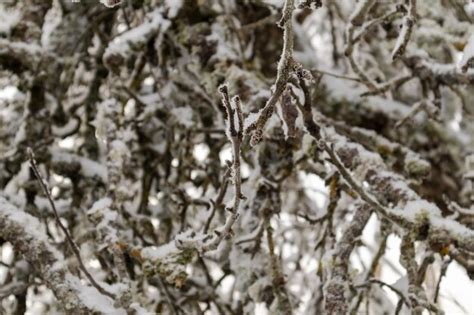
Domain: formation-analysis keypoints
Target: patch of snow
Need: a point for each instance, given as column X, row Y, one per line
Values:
column 100, row 205
column 89, row 168
column 138, row 36
column 92, row 298
column 173, row 7
column 8, row 93
column 201, row 151
column 159, row 252
column 35, row 228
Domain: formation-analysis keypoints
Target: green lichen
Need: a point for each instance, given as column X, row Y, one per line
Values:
column 172, row 268
column 418, row 168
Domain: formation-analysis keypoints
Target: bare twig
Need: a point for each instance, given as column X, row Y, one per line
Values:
column 339, row 76
column 382, row 88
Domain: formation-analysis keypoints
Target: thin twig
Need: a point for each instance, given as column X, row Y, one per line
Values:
column 235, row 123
column 339, row 76
column 315, row 131
column 444, row 269
column 218, row 202
column 72, row 244
column 395, row 290
column 166, row 292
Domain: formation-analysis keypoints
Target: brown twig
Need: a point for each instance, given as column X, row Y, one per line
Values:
column 234, row 132
column 283, row 73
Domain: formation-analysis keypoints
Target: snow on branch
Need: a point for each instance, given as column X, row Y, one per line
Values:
column 409, row 211
column 444, row 74
column 164, row 189
column 27, row 235
column 135, row 39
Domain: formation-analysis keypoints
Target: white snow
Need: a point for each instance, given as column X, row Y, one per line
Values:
column 201, row 151
column 421, row 205
column 68, row 128
column 100, row 205
column 159, row 252
column 101, row 210
column 92, row 298
column 138, row 36
column 8, row 93
column 173, row 7
column 35, row 228
column 469, row 8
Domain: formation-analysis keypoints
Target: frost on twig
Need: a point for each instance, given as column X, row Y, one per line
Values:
column 413, row 164
column 283, row 73
column 234, row 131
column 111, row 212
column 409, row 211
